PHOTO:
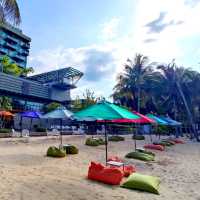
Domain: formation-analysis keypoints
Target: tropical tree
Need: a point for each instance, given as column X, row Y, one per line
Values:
column 9, row 12
column 11, row 68
column 52, row 106
column 132, row 86
column 176, row 82
column 5, row 103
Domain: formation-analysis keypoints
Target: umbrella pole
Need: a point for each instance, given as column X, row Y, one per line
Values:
column 135, row 144
column 61, row 142
column 31, row 124
column 106, row 144
column 21, row 120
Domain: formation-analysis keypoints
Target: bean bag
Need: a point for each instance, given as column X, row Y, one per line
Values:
column 70, row 149
column 99, row 172
column 92, row 142
column 177, row 141
column 56, row 152
column 116, row 138
column 115, row 158
column 163, row 143
column 169, row 142
column 138, row 137
column 154, row 147
column 146, row 152
column 142, row 182
column 140, row 156
column 127, row 169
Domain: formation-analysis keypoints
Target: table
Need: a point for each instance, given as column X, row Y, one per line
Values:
column 116, row 164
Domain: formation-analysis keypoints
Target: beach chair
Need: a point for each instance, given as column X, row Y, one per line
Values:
column 15, row 133
column 54, row 132
column 26, row 134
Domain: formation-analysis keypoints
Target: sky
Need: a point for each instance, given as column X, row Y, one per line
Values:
column 96, row 37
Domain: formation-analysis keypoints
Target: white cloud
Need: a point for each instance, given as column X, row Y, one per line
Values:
column 110, row 29
column 102, row 62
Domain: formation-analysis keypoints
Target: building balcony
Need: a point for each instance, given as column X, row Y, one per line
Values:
column 16, row 56
column 9, row 38
column 10, row 46
column 3, row 50
column 25, row 46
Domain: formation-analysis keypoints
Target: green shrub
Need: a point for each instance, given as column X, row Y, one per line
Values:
column 140, row 156
column 5, row 130
column 138, row 137
column 56, row 152
column 116, row 138
column 91, row 142
column 70, row 149
column 40, row 129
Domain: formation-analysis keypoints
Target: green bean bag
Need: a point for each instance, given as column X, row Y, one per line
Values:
column 146, row 152
column 140, row 156
column 138, row 137
column 163, row 143
column 70, row 149
column 92, row 142
column 101, row 141
column 169, row 142
column 56, row 152
column 116, row 138
column 142, row 182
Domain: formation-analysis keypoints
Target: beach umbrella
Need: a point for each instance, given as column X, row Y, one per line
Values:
column 172, row 123
column 60, row 113
column 157, row 119
column 5, row 115
column 105, row 112
column 30, row 114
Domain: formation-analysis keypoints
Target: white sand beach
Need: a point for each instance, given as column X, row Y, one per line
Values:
column 27, row 174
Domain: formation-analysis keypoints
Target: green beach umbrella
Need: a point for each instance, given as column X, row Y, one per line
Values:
column 105, row 112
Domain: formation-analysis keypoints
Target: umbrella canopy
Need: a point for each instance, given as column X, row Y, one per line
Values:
column 59, row 113
column 31, row 114
column 157, row 119
column 6, row 114
column 105, row 111
column 171, row 121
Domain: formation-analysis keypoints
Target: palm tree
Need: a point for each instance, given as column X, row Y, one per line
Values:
column 9, row 12
column 174, row 80
column 134, row 82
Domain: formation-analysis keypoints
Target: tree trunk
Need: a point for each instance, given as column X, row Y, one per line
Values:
column 189, row 114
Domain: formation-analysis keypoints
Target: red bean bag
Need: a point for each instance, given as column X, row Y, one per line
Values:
column 127, row 169
column 115, row 158
column 178, row 141
column 154, row 146
column 99, row 172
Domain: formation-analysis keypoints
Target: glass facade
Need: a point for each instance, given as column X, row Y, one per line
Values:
column 21, row 105
column 14, row 44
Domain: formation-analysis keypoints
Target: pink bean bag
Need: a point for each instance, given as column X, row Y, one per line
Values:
column 154, row 147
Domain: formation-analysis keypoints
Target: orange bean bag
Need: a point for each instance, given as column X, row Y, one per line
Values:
column 99, row 172
column 127, row 170
column 154, row 147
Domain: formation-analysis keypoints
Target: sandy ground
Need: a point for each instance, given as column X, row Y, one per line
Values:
column 27, row 174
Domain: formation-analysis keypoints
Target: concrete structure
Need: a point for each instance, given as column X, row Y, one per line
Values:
column 14, row 44
column 32, row 93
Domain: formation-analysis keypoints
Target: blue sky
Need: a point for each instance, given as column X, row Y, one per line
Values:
column 96, row 37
